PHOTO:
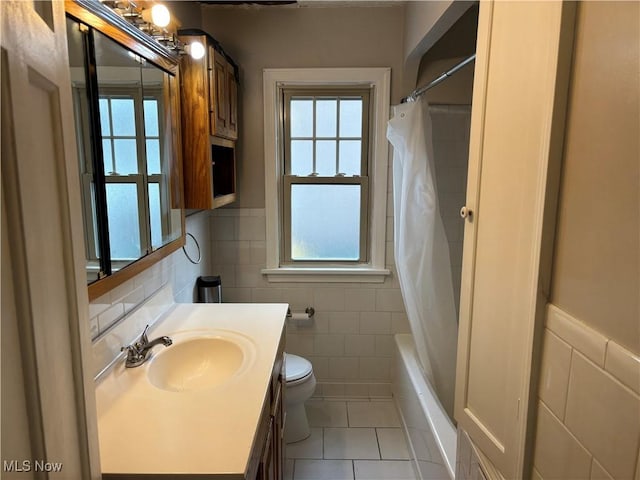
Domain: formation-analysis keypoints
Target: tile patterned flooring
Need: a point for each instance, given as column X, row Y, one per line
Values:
column 351, row 440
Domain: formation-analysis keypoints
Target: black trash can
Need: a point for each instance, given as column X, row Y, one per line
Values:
column 209, row 289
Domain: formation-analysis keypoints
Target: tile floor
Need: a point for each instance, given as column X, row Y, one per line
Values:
column 351, row 440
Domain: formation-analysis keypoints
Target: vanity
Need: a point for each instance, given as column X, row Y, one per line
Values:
column 208, row 406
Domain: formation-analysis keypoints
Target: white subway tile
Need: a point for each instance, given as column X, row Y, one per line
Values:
column 106, row 318
column 258, row 253
column 384, row 345
column 329, row 345
column 389, row 300
column 359, row 345
column 251, row 228
column 133, row 299
column 344, row 322
column 320, row 366
column 266, row 295
column 343, row 368
column 356, row 390
column 236, row 295
column 375, row 323
column 223, row 228
column 623, row 365
column 329, row 299
column 554, row 373
column 375, row 368
column 360, row 300
column 298, row 298
column 603, row 415
column 577, row 334
column 558, row 454
column 380, row 390
column 99, row 305
column 250, row 276
column 302, row 345
column 333, row 389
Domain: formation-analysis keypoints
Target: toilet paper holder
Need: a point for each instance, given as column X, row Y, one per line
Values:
column 309, row 312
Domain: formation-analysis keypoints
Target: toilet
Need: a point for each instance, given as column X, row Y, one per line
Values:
column 300, row 385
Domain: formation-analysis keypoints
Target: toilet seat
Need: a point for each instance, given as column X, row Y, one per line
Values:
column 297, row 369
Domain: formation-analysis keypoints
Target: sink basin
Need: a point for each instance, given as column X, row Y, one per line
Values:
column 197, row 362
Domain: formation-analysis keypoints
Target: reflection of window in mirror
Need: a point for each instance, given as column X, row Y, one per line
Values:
column 123, row 123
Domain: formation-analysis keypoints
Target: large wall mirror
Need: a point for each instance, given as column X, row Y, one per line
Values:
column 125, row 103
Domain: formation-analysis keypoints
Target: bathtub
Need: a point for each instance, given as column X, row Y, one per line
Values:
column 431, row 434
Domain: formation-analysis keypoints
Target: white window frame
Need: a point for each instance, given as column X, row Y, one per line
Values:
column 380, row 80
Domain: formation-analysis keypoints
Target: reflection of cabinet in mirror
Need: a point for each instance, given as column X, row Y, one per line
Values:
column 209, row 99
column 125, row 94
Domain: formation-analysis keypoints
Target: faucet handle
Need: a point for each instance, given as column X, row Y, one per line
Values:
column 143, row 338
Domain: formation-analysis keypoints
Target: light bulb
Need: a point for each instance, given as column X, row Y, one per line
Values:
column 196, row 50
column 160, row 15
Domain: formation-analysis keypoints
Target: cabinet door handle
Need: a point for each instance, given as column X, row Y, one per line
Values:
column 466, row 212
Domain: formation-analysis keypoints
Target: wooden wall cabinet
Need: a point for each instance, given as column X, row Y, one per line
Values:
column 209, row 97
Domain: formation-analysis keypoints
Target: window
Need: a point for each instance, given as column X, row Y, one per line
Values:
column 326, row 204
column 131, row 151
column 326, row 177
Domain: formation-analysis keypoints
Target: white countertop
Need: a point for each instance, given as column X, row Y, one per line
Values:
column 144, row 429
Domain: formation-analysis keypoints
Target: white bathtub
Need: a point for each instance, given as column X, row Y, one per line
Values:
column 431, row 434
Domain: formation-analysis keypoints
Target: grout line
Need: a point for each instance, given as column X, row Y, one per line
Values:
column 353, row 468
column 323, row 443
column 378, row 443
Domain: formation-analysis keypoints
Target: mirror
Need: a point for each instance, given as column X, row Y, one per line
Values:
column 124, row 114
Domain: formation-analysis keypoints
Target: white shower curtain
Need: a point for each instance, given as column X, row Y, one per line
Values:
column 421, row 248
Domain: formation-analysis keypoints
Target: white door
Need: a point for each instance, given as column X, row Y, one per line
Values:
column 48, row 401
column 519, row 100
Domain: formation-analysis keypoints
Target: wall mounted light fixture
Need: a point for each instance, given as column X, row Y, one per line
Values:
column 154, row 19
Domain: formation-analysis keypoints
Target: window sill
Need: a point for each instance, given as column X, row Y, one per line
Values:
column 326, row 274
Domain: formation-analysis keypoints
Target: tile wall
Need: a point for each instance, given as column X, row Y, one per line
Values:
column 350, row 341
column 451, row 124
column 589, row 404
column 118, row 316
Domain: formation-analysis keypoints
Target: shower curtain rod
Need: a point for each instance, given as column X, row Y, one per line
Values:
column 419, row 91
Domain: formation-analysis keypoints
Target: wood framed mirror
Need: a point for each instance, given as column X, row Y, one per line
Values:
column 126, row 108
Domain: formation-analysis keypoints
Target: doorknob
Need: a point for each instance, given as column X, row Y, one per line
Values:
column 466, row 212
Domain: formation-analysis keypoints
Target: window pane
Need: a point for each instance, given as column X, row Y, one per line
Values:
column 155, row 215
column 350, row 157
column 351, row 118
column 151, row 118
column 325, row 222
column 301, row 118
column 326, row 118
column 122, row 212
column 126, row 156
column 107, row 155
column 123, row 116
column 326, row 158
column 301, row 157
column 153, row 156
column 105, row 127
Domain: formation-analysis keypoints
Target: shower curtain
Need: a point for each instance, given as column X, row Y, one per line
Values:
column 421, row 248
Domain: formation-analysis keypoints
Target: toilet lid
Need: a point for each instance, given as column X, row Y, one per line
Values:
column 296, row 367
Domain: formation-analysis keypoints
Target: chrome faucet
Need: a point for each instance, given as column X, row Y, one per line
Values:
column 139, row 352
